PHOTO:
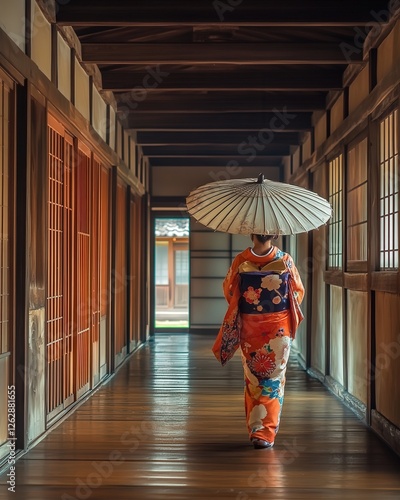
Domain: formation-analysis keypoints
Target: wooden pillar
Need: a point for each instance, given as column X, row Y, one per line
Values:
column 22, row 181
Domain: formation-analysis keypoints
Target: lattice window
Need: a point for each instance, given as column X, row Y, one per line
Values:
column 389, row 192
column 55, row 268
column 60, row 309
column 357, row 197
column 83, row 333
column 336, row 221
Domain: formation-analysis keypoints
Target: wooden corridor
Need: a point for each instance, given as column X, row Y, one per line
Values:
column 170, row 424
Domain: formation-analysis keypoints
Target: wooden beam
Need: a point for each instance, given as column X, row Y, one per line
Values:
column 216, row 53
column 280, row 120
column 142, row 83
column 215, row 138
column 248, row 13
column 213, row 150
column 218, row 161
column 218, row 102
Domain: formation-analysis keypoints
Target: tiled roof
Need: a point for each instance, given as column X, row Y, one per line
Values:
column 172, row 227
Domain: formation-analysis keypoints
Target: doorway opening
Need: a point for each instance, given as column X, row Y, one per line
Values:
column 171, row 272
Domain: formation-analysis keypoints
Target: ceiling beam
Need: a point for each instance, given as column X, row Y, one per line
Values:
column 279, row 120
column 246, row 13
column 142, row 83
column 213, row 150
column 221, row 102
column 216, row 53
column 218, row 161
column 212, row 138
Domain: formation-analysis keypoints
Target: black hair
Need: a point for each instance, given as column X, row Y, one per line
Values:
column 262, row 238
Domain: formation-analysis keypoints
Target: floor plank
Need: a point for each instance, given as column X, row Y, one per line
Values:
column 171, row 424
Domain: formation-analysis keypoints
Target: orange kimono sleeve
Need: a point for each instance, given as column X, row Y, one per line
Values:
column 230, row 280
column 228, row 338
column 298, row 286
column 296, row 292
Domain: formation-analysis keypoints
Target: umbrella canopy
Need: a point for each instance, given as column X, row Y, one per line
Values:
column 257, row 206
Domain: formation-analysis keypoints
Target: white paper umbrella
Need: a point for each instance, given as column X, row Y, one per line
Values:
column 257, row 206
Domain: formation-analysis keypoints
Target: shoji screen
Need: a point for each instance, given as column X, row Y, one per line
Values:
column 83, row 334
column 60, row 297
column 210, row 258
column 104, row 241
column 99, row 267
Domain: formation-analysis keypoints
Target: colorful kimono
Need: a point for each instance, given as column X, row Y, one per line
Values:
column 264, row 294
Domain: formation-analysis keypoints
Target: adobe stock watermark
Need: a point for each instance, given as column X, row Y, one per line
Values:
column 388, row 352
column 132, row 99
column 262, row 478
column 254, row 144
column 104, row 469
column 11, row 428
column 221, row 7
column 372, row 29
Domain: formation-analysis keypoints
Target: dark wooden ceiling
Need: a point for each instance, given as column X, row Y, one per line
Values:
column 197, row 79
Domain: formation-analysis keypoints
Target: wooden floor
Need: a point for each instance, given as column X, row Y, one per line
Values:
column 171, row 424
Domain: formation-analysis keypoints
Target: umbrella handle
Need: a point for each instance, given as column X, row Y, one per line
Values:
column 260, row 179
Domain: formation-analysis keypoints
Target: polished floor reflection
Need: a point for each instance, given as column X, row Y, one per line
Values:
column 171, row 424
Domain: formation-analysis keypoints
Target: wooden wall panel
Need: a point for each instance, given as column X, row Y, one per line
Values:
column 337, row 113
column 359, row 89
column 320, row 131
column 296, row 159
column 40, row 40
column 120, row 274
column 306, row 153
column 12, row 21
column 99, row 114
column 387, row 361
column 388, row 52
column 356, row 334
column 300, row 256
column 336, row 334
column 81, row 97
column 318, row 320
column 63, row 67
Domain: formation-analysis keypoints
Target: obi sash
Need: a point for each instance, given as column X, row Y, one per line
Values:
column 264, row 292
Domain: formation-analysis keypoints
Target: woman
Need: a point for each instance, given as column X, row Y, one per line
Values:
column 264, row 291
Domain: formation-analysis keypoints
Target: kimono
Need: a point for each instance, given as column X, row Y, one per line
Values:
column 264, row 295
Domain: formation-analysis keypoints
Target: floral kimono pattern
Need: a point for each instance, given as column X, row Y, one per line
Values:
column 264, row 294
